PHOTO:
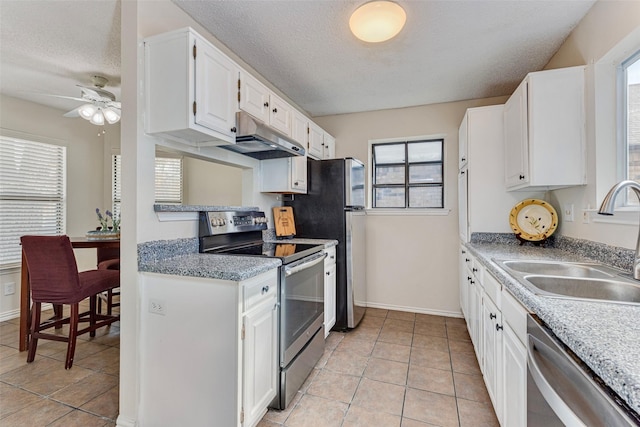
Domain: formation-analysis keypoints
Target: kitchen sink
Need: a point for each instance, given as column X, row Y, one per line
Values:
column 548, row 268
column 582, row 281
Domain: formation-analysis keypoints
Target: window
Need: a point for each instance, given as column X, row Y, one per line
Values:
column 168, row 181
column 630, row 77
column 408, row 174
column 32, row 193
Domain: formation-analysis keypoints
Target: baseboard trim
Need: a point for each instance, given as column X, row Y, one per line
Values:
column 15, row 313
column 444, row 313
column 126, row 422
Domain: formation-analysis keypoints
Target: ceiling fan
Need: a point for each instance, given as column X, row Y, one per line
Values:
column 99, row 105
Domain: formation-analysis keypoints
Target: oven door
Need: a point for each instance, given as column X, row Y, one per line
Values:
column 301, row 304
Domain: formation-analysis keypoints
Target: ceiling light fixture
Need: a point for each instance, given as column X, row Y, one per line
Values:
column 377, row 21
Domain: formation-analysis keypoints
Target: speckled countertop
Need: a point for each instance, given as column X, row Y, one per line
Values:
column 606, row 336
column 180, row 257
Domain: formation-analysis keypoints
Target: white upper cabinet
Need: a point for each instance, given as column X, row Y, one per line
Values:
column 300, row 128
column 329, row 147
column 462, row 143
column 190, row 89
column 285, row 175
column 257, row 100
column 544, row 128
column 316, row 142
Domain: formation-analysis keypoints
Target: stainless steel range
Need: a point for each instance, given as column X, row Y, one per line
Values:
column 300, row 293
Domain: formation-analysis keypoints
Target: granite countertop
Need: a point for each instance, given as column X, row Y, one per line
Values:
column 203, row 208
column 606, row 336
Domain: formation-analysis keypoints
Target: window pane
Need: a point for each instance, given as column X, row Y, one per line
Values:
column 425, row 174
column 389, row 175
column 425, row 197
column 168, row 180
column 632, row 77
column 425, row 151
column 389, row 197
column 389, row 153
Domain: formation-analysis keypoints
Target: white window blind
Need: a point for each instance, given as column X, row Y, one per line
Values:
column 32, row 193
column 168, row 181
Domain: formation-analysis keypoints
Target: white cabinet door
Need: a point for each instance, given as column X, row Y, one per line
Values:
column 329, row 298
column 514, row 380
column 492, row 350
column 299, row 173
column 280, row 114
column 260, row 360
column 464, row 284
column 254, row 97
column 516, row 138
column 329, row 147
column 285, row 175
column 300, row 128
column 463, row 207
column 462, row 142
column 316, row 139
column 475, row 313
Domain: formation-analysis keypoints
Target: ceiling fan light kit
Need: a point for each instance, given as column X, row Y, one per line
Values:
column 377, row 21
column 100, row 105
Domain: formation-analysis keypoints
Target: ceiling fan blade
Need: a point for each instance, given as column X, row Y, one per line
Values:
column 89, row 91
column 73, row 113
column 115, row 104
column 64, row 97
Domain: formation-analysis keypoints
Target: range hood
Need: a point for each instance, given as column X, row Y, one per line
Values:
column 260, row 141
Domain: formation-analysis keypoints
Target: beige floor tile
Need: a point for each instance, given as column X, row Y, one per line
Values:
column 363, row 334
column 402, row 315
column 376, row 312
column 44, row 376
column 398, row 325
column 430, row 318
column 42, row 414
column 356, row 346
column 280, row 417
column 346, row 363
column 12, row 361
column 332, row 385
column 422, row 356
column 387, row 371
column 395, row 337
column 431, row 329
column 48, row 347
column 324, row 358
column 100, row 360
column 458, row 333
column 431, row 408
column 430, row 379
column 78, row 418
column 87, row 389
column 334, row 338
column 313, row 411
column 305, row 385
column 84, row 349
column 408, row 422
column 372, row 322
column 104, row 405
column 431, row 343
column 379, row 396
column 465, row 363
column 266, row 423
column 476, row 414
column 455, row 321
column 470, row 387
column 389, row 351
column 13, row 399
column 361, row 417
column 6, row 351
column 461, row 347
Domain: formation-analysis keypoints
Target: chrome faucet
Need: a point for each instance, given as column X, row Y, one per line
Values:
column 607, row 207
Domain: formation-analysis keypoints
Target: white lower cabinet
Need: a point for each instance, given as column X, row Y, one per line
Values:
column 497, row 326
column 210, row 352
column 329, row 290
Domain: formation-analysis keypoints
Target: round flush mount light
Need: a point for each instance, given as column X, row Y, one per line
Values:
column 377, row 21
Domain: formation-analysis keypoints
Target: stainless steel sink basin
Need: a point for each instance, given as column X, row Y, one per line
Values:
column 549, row 268
column 593, row 289
column 584, row 281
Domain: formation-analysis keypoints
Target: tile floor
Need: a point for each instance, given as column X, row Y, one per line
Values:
column 396, row 369
column 43, row 393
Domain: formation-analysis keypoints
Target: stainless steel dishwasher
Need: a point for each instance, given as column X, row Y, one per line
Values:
column 561, row 392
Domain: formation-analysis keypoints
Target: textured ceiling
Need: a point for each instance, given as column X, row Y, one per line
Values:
column 449, row 50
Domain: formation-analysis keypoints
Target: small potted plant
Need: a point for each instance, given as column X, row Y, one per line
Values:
column 105, row 232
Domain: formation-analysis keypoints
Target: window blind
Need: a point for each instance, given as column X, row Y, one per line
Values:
column 32, row 193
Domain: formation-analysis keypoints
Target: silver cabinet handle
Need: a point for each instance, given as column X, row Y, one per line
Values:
column 288, row 271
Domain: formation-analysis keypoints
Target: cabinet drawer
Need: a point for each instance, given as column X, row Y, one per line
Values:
column 477, row 269
column 515, row 315
column 259, row 291
column 492, row 288
column 331, row 256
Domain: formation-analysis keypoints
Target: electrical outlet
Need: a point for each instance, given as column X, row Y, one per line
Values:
column 585, row 216
column 157, row 306
column 568, row 212
column 9, row 288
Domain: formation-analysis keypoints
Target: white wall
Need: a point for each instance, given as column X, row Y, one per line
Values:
column 208, row 183
column 85, row 173
column 412, row 260
column 608, row 33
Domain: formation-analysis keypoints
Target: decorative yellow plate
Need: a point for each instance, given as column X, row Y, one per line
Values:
column 533, row 220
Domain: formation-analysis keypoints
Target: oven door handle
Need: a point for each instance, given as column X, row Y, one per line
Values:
column 536, row 351
column 288, row 271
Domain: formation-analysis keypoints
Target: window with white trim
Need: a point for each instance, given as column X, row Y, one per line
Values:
column 630, row 82
column 32, row 193
column 168, row 181
column 408, row 174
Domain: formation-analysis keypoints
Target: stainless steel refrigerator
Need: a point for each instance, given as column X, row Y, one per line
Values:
column 333, row 208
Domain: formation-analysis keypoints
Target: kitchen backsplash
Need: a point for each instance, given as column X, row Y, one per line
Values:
column 611, row 255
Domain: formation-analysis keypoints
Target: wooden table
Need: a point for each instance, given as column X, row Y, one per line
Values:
column 25, row 291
